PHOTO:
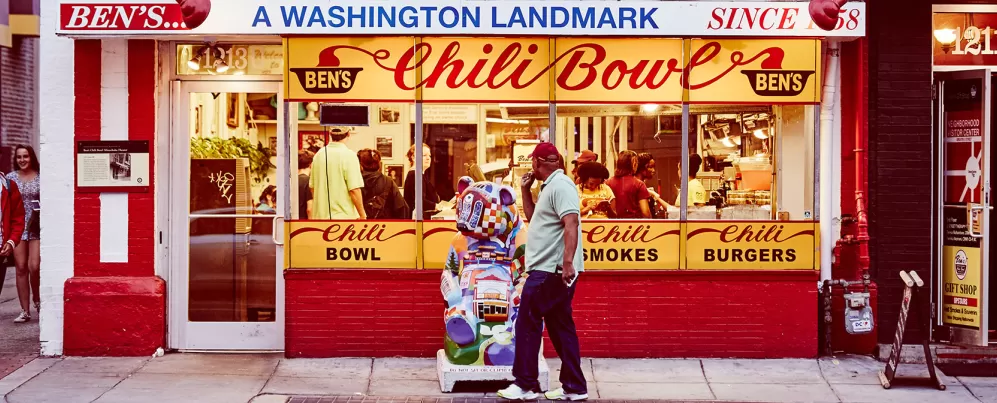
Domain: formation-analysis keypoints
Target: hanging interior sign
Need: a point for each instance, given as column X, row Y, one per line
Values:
column 523, row 70
column 112, row 166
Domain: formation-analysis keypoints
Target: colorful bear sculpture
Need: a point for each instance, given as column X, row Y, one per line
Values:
column 483, row 278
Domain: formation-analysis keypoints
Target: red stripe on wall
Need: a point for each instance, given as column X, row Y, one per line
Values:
column 142, row 126
column 86, row 218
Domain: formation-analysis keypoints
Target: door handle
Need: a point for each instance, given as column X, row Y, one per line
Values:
column 273, row 234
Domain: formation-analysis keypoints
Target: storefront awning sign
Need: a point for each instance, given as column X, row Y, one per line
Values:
column 576, row 70
column 453, row 17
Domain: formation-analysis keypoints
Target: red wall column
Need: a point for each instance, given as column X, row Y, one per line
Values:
column 115, row 309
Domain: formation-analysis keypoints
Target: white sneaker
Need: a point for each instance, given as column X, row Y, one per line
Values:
column 558, row 394
column 23, row 317
column 514, row 392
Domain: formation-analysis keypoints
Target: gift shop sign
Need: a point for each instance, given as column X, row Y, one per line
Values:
column 962, row 276
column 564, row 69
column 450, row 17
column 760, row 245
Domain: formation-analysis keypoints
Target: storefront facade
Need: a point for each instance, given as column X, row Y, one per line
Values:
column 199, row 238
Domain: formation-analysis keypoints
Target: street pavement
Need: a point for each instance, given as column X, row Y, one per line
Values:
column 18, row 341
column 269, row 378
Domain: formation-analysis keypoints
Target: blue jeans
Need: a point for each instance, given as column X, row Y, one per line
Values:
column 546, row 299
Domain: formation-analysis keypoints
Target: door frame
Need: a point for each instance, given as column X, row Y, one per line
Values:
column 224, row 336
column 958, row 335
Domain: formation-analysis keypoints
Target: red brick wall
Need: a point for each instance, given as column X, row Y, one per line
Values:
column 343, row 313
column 899, row 150
column 18, row 92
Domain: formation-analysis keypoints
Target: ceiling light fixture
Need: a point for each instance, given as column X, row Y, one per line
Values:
column 649, row 108
column 761, row 134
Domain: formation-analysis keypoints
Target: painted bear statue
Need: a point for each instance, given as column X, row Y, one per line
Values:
column 483, row 278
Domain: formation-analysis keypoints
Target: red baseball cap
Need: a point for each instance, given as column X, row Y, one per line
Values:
column 586, row 156
column 545, row 151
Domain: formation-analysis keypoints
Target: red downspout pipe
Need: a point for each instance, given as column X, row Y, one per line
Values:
column 861, row 143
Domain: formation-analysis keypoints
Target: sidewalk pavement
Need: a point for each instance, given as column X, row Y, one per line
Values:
column 18, row 341
column 269, row 378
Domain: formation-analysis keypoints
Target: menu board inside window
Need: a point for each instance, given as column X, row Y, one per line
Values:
column 229, row 59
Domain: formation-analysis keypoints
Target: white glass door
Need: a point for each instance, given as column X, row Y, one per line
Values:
column 228, row 185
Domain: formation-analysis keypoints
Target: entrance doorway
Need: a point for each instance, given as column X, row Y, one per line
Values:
column 965, row 166
column 227, row 185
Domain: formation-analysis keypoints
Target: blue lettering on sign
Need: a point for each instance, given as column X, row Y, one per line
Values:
column 453, row 17
column 261, row 17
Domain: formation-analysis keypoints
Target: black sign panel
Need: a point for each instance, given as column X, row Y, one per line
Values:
column 344, row 115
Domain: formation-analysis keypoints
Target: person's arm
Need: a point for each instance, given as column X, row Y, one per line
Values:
column 568, row 208
column 410, row 192
column 308, row 208
column 642, row 196
column 570, row 222
column 16, row 207
column 399, row 206
column 645, row 209
column 354, row 182
column 529, row 205
column 357, row 196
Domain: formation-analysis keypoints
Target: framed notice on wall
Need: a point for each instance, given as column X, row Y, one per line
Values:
column 112, row 166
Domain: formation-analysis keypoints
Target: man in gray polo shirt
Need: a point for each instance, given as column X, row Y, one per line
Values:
column 553, row 260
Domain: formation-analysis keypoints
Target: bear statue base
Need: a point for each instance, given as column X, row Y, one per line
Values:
column 449, row 374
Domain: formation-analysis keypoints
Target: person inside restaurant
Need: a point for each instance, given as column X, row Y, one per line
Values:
column 631, row 193
column 430, row 198
column 597, row 198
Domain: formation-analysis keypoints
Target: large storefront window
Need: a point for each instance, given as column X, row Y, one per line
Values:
column 740, row 121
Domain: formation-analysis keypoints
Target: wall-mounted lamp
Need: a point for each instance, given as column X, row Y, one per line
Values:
column 195, row 62
column 946, row 37
column 761, row 134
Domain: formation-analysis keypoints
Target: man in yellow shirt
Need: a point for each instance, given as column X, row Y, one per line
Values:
column 697, row 192
column 336, row 180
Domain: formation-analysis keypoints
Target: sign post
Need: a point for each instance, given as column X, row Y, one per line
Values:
column 887, row 377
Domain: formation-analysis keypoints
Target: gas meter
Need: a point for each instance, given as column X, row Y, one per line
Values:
column 858, row 313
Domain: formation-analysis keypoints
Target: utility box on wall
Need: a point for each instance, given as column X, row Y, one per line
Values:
column 841, row 340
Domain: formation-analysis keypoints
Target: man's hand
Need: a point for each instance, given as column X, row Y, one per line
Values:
column 7, row 249
column 527, row 182
column 568, row 273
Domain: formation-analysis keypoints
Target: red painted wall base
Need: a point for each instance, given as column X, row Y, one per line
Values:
column 385, row 313
column 114, row 316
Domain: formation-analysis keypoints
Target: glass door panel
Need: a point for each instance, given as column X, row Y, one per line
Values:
column 228, row 179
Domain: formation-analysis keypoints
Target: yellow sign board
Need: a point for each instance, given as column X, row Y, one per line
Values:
column 605, row 70
column 437, row 237
column 607, row 245
column 732, row 71
column 962, row 286
column 631, row 245
column 350, row 245
column 348, row 69
column 579, row 70
column 758, row 245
